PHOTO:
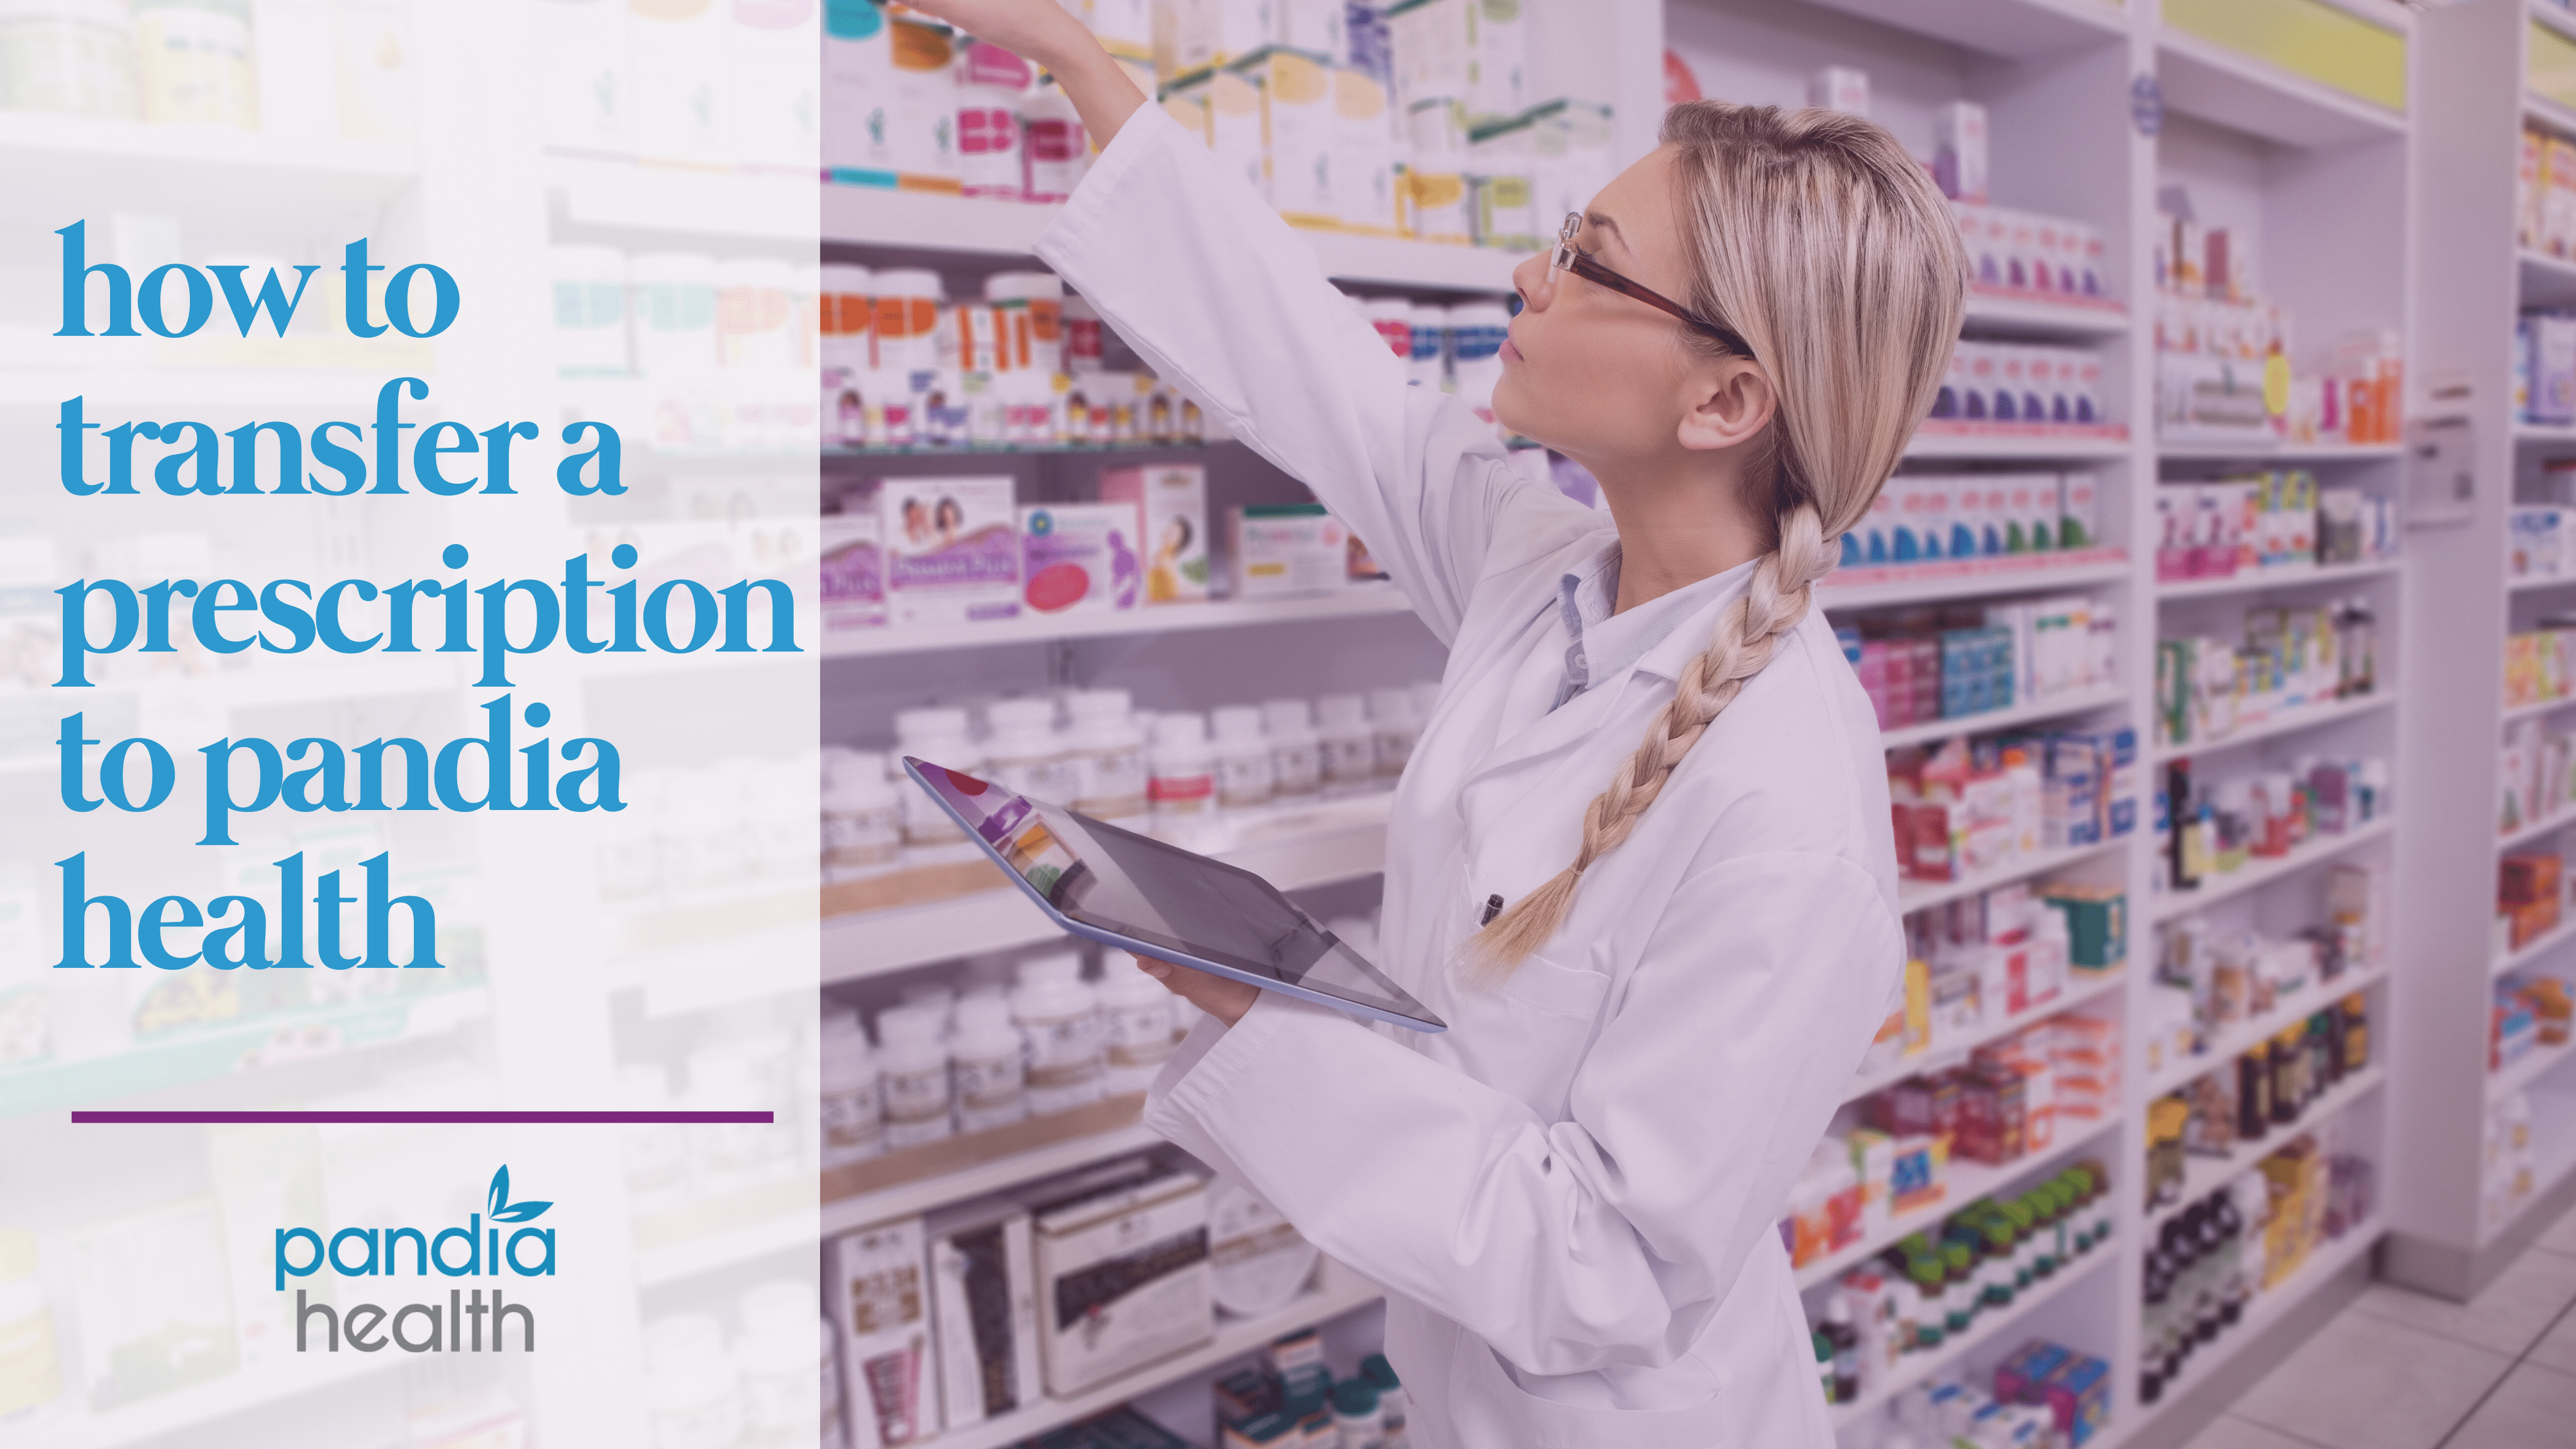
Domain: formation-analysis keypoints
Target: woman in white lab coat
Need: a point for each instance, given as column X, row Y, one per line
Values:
column 1641, row 860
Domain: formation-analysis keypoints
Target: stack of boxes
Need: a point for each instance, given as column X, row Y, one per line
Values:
column 1996, row 382
column 2289, row 659
column 1924, row 518
column 2265, row 520
column 1956, row 663
column 1967, row 806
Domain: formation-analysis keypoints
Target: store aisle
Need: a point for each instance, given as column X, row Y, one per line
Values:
column 2400, row 1370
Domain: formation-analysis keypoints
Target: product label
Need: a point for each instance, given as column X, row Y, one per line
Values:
column 989, row 1085
column 916, row 1106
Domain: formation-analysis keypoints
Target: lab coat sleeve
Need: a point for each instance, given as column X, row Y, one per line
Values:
column 1612, row 1237
column 1211, row 287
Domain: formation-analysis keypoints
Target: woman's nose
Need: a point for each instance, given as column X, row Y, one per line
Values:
column 1532, row 281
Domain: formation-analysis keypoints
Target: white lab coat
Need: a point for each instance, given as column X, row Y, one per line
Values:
column 1572, row 1195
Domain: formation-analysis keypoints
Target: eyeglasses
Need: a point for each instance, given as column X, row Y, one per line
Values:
column 1566, row 258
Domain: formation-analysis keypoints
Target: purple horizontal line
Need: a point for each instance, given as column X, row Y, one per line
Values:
column 464, row 1118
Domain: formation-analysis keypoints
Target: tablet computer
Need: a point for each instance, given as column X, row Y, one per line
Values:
column 1155, row 899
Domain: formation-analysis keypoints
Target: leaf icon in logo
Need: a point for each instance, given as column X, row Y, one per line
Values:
column 502, row 1210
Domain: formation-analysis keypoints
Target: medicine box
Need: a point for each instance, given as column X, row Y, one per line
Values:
column 852, row 572
column 2079, row 510
column 1283, row 550
column 952, row 549
column 1173, row 502
column 1365, row 168
column 1297, row 127
column 983, row 1311
column 1123, row 1278
column 1959, row 150
column 1081, row 558
column 1839, row 88
column 877, row 1294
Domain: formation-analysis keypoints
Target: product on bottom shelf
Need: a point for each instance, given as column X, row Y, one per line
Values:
column 876, row 1291
column 2214, row 828
column 2290, row 659
column 1291, row 1398
column 1123, row 1276
column 2509, row 1172
column 1972, row 805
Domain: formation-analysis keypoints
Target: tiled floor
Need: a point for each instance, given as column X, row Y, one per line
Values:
column 2398, row 1370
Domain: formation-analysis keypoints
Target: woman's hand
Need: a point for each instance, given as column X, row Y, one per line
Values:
column 1225, row 1000
column 1045, row 32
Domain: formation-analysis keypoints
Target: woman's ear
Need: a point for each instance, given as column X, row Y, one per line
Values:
column 1732, row 405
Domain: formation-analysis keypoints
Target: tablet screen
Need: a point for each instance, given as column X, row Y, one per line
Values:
column 1137, row 886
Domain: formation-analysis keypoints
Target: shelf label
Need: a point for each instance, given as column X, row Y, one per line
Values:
column 2304, row 37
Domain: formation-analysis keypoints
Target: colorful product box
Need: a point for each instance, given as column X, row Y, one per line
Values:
column 952, row 549
column 1173, row 502
column 1284, row 550
column 1081, row 558
column 853, row 571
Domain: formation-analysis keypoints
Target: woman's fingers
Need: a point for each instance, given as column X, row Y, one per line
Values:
column 1225, row 1000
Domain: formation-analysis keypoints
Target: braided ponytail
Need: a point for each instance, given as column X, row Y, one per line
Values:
column 1826, row 246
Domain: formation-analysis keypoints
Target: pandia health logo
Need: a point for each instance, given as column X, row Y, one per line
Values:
column 474, row 1249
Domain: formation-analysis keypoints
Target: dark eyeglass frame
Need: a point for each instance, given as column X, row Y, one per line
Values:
column 1566, row 258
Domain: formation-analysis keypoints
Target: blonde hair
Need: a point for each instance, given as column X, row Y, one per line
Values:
column 1815, row 236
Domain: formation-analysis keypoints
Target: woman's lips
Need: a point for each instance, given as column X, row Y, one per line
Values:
column 1511, row 352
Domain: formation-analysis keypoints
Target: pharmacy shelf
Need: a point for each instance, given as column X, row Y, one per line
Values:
column 841, row 1215
column 196, row 1412
column 2181, row 451
column 2004, row 309
column 1923, row 895
column 864, row 216
column 2287, row 722
column 1340, row 1292
column 2553, row 1154
column 2241, row 93
column 661, row 1265
column 2083, row 987
column 2507, row 962
column 2013, row 29
column 839, row 454
column 2280, row 577
column 1942, row 438
column 2542, row 581
column 2546, row 281
column 2204, row 1174
column 2535, row 434
column 2514, row 712
column 2255, row 874
column 73, row 167
column 2524, row 834
column 1360, row 601
column 2242, row 1037
column 1337, row 840
column 2548, row 115
column 1989, row 1325
column 2536, row 1062
column 1882, row 586
column 2321, row 1268
column 1963, row 1182
column 2054, row 706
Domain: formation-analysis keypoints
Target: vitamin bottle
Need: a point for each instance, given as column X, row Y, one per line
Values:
column 1024, row 752
column 1390, row 1393
column 1136, row 1021
column 1357, row 1417
column 912, row 1063
column 1246, row 774
column 1059, row 1016
column 1844, row 1335
column 852, row 1108
column 1295, row 750
column 939, row 736
column 1824, row 1351
column 1959, row 1288
column 1349, row 746
column 1396, row 727
column 1107, row 750
column 2001, row 1275
column 1182, row 782
column 1931, row 1317
column 862, row 816
column 988, row 1065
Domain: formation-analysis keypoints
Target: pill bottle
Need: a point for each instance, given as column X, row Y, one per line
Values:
column 1296, row 753
column 1024, row 753
column 939, row 736
column 1427, row 365
column 192, row 62
column 1136, row 1017
column 1107, row 750
column 1356, row 1416
column 988, row 1063
column 1060, row 1016
column 913, row 340
column 912, row 1062
column 862, row 816
column 75, row 58
column 1396, row 726
column 853, row 1107
column 939, row 998
column 1182, row 780
column 779, row 1353
column 693, row 1394
column 1053, row 139
column 1245, row 772
column 1392, row 319
column 1031, row 306
column 30, row 1368
column 1390, row 1391
column 1349, row 752
column 725, row 1155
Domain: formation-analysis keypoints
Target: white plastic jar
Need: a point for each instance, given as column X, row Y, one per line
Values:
column 1182, row 782
column 780, row 1354
column 1136, row 1016
column 862, row 816
column 1024, row 752
column 1397, row 726
column 940, row 736
column 693, row 1394
column 1107, row 750
column 912, row 1065
column 1296, row 752
column 1246, row 775
column 853, row 1103
column 910, row 319
column 1032, row 308
column 1349, row 750
column 988, row 1065
column 1059, row 1014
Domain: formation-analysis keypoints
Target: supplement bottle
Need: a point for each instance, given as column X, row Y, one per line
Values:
column 1844, row 1335
column 862, row 816
column 1349, row 745
column 1060, row 1016
column 1136, row 1018
column 912, row 1062
column 940, row 737
column 781, row 1362
column 1357, row 1417
column 853, row 1109
column 1245, row 771
column 1824, row 1350
column 988, row 1063
column 1931, row 1318
column 1959, row 1290
column 1390, row 1393
column 1107, row 751
column 1182, row 781
column 1023, row 751
column 1296, row 753
column 1396, row 726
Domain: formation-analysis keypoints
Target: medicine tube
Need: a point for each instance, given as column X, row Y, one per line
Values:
column 1295, row 750
column 1106, row 748
column 912, row 1058
column 1059, row 1014
column 1349, row 746
column 1136, row 1021
column 1245, row 772
column 852, row 1108
column 988, row 1065
column 939, row 736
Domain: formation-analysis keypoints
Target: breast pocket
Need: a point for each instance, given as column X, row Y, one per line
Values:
column 1526, row 1032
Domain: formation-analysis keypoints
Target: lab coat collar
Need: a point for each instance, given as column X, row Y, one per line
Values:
column 1690, row 634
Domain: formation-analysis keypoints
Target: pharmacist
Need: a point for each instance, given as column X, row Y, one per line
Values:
column 1640, row 861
